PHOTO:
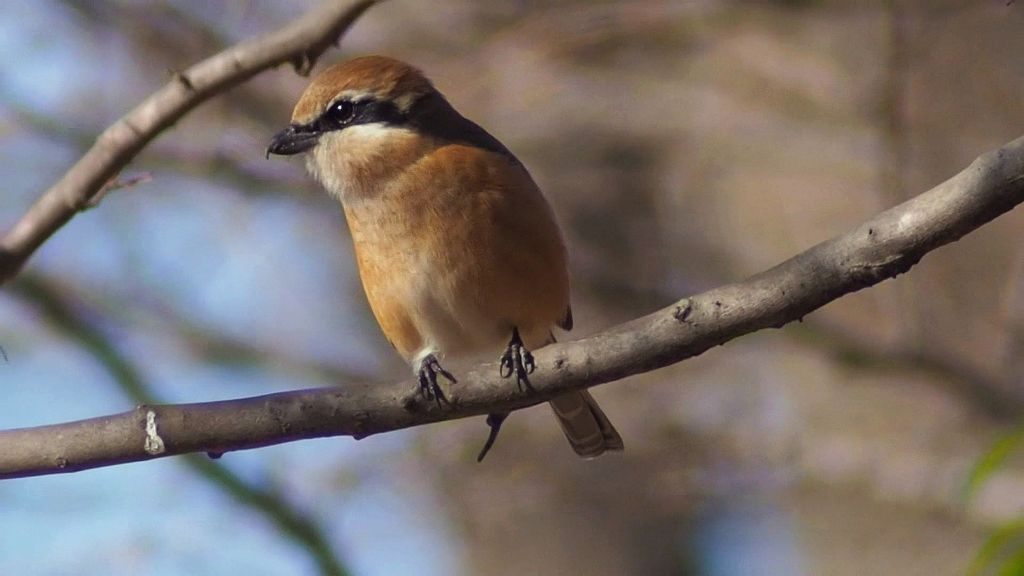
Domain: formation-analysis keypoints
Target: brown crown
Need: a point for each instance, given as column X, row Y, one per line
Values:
column 383, row 77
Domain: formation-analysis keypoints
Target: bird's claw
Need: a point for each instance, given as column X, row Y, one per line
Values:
column 429, row 369
column 517, row 360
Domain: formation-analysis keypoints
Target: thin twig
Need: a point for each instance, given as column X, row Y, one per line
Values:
column 118, row 184
column 300, row 43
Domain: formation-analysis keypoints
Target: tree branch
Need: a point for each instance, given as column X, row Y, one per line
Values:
column 883, row 247
column 292, row 522
column 301, row 43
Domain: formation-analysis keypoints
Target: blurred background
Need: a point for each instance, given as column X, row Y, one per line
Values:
column 684, row 144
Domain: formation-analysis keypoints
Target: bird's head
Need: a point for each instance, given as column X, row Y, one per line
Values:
column 358, row 120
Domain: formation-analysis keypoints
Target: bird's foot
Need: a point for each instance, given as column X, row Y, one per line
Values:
column 429, row 369
column 517, row 360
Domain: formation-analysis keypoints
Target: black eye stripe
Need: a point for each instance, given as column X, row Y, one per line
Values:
column 380, row 111
column 344, row 113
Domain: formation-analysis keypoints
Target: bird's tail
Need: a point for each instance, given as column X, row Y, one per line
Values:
column 585, row 425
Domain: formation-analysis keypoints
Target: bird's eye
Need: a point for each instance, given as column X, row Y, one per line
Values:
column 341, row 112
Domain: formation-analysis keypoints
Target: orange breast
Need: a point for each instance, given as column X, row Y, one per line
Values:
column 457, row 250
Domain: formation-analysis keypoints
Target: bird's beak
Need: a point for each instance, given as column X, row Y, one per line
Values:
column 292, row 140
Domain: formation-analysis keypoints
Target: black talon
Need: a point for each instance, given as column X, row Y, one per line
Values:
column 429, row 369
column 517, row 360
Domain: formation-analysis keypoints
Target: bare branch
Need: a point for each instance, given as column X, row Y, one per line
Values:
column 992, row 392
column 301, row 43
column 292, row 522
column 883, row 247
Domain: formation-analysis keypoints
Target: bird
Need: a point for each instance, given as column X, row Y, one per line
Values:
column 458, row 251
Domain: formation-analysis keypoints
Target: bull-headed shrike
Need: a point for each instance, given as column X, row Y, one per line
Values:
column 457, row 248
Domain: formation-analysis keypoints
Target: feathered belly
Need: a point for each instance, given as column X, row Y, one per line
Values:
column 452, row 262
column 457, row 299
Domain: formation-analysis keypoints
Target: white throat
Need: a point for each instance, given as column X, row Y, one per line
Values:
column 355, row 162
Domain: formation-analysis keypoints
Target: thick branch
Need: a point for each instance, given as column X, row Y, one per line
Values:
column 880, row 248
column 301, row 43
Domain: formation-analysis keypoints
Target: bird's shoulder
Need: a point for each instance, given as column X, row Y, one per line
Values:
column 435, row 117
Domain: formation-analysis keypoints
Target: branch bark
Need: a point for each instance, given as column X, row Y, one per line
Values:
column 880, row 248
column 300, row 43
